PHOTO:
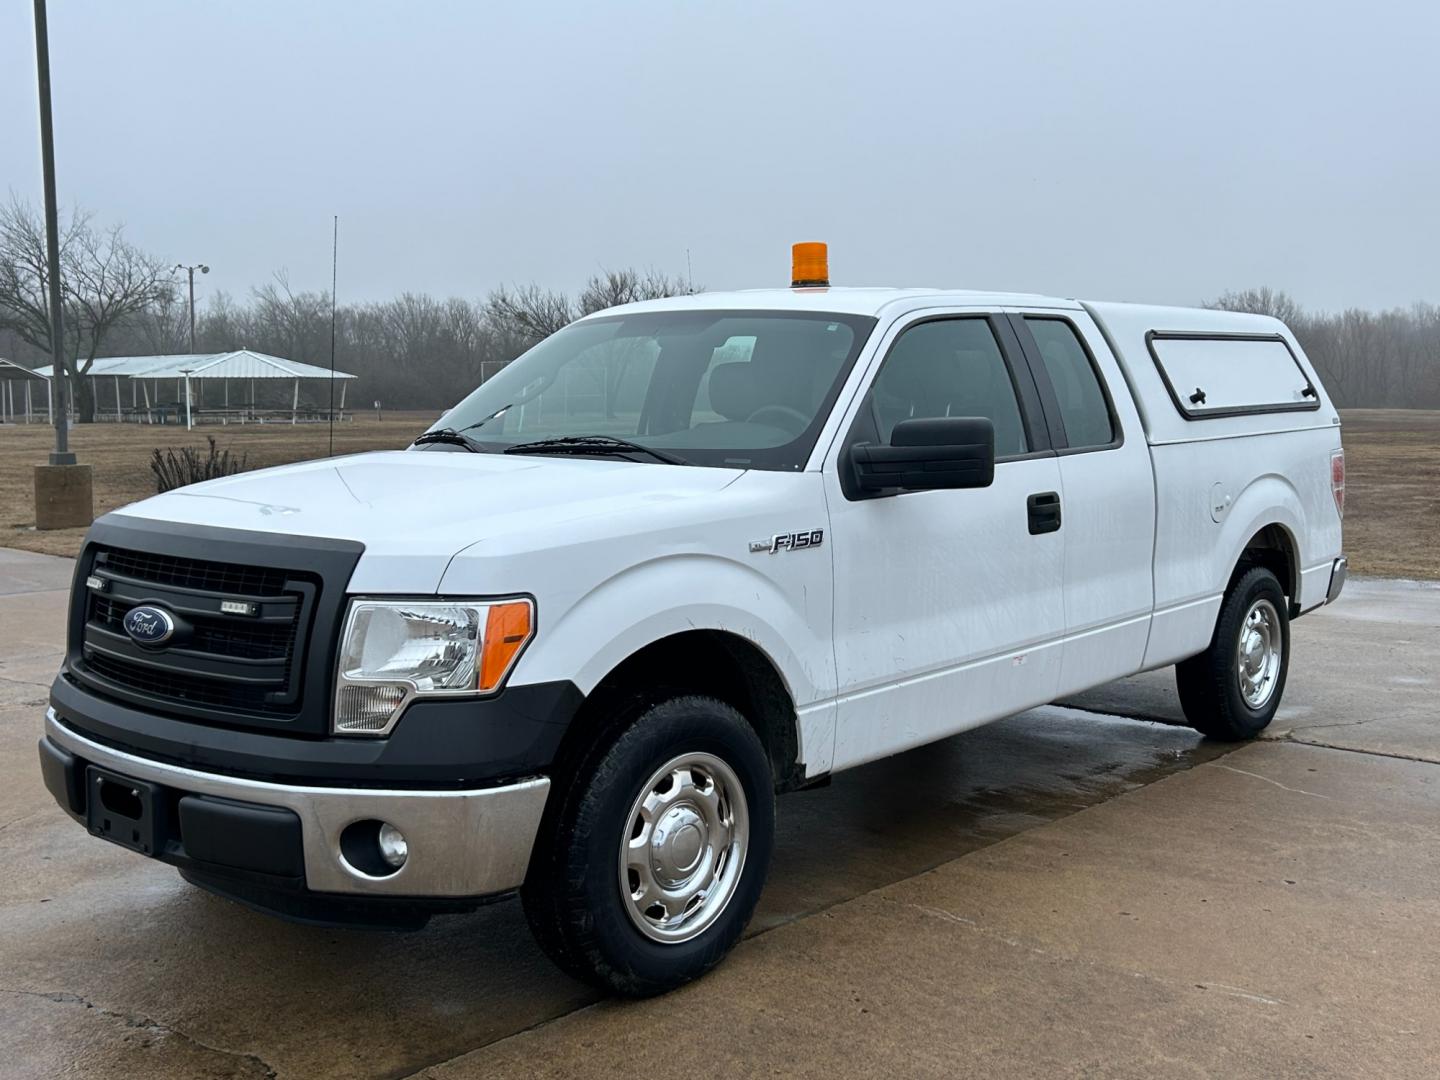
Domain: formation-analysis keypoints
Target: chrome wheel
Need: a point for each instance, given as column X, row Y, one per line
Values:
column 1259, row 653
column 684, row 847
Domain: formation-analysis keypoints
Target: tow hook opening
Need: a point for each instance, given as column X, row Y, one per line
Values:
column 120, row 800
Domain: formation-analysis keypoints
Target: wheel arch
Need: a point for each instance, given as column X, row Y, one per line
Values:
column 709, row 662
column 1274, row 547
column 1264, row 528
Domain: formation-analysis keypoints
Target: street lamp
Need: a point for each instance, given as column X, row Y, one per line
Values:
column 191, row 271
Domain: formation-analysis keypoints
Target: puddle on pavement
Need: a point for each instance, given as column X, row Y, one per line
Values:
column 895, row 818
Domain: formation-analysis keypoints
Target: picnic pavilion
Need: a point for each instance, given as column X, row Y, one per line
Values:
column 207, row 388
column 21, row 390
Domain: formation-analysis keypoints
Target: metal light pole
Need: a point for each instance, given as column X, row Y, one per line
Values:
column 58, row 370
column 191, row 271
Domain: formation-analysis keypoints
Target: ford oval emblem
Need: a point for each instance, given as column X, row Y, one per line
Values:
column 148, row 625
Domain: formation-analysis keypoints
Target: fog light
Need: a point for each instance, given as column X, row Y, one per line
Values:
column 393, row 848
column 367, row 708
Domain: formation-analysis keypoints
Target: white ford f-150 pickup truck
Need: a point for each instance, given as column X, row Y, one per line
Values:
column 679, row 557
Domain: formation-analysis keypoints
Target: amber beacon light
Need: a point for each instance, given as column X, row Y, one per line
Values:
column 809, row 265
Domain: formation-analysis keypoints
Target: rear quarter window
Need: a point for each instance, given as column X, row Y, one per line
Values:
column 1211, row 375
column 1083, row 408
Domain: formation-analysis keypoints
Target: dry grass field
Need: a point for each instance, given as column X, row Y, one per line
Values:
column 1392, row 492
column 120, row 454
column 1391, row 521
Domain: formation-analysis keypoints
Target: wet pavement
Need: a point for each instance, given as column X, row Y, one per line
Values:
column 111, row 966
column 1267, row 915
column 1364, row 675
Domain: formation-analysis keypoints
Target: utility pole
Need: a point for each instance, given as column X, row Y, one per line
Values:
column 191, row 271
column 64, row 491
column 59, row 371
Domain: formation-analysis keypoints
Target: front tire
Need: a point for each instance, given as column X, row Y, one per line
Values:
column 1231, row 690
column 651, row 861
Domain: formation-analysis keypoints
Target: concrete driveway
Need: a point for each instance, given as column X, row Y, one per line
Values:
column 1075, row 891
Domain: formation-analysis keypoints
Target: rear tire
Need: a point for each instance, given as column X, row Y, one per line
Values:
column 652, row 858
column 1231, row 690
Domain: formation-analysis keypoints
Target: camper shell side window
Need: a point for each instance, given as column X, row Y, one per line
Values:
column 1213, row 374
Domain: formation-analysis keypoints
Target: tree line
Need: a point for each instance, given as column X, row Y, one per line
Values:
column 422, row 352
column 1366, row 359
column 413, row 352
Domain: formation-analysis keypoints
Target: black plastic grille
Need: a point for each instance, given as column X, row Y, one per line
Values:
column 259, row 642
column 198, row 574
column 221, row 665
column 267, row 664
column 108, row 613
column 178, row 687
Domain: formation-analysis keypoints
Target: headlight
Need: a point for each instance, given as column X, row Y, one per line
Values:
column 395, row 650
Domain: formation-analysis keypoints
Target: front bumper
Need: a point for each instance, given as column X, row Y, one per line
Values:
column 462, row 843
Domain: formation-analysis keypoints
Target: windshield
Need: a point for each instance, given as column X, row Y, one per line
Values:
column 741, row 389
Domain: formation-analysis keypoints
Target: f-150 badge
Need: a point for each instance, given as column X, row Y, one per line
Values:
column 796, row 541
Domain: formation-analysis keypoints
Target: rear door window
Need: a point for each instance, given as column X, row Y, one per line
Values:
column 1083, row 408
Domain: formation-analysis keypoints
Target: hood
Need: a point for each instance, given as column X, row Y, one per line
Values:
column 413, row 510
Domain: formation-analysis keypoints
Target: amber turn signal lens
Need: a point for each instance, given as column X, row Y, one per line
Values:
column 507, row 629
column 809, row 265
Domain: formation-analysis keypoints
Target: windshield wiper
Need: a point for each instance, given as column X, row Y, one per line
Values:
column 458, row 438
column 492, row 416
column 451, row 436
column 592, row 444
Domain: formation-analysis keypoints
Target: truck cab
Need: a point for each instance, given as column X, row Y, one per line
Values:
column 681, row 557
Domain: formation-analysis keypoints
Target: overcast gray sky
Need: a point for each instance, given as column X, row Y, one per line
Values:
column 1148, row 151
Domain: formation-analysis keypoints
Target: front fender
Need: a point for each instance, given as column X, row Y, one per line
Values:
column 671, row 594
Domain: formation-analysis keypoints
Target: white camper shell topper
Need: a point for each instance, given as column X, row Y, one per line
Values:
column 680, row 557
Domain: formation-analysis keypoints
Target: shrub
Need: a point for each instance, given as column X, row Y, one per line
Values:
column 175, row 468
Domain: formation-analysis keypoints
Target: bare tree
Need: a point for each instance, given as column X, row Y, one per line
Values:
column 611, row 288
column 289, row 323
column 164, row 327
column 25, row 275
column 531, row 313
column 220, row 325
column 107, row 281
column 1261, row 301
column 529, row 310
column 104, row 282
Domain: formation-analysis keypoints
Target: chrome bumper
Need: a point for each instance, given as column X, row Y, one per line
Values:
column 461, row 843
column 1338, row 573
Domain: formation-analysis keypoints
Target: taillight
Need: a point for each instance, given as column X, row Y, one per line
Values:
column 1337, row 480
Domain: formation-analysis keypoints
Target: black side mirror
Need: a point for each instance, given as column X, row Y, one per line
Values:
column 928, row 455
